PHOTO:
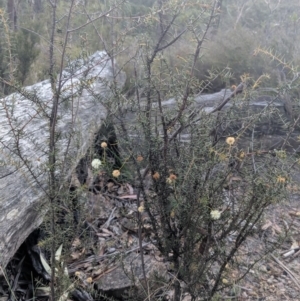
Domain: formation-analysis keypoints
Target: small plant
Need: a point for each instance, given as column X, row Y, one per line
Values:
column 208, row 193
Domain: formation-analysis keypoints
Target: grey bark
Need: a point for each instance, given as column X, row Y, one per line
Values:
column 270, row 130
column 12, row 14
column 24, row 135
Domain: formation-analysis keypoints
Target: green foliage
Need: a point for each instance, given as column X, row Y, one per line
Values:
column 26, row 51
column 192, row 180
column 3, row 64
column 204, row 189
column 273, row 25
column 244, row 26
column 6, row 58
column 235, row 50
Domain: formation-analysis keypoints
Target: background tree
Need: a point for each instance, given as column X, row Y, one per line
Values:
column 12, row 14
column 26, row 52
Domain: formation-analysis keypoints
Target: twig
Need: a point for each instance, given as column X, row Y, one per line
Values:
column 287, row 270
column 16, row 280
column 252, row 148
column 140, row 237
column 93, row 20
column 95, row 258
column 92, row 226
column 2, row 271
column 239, row 89
column 295, row 254
column 110, row 218
column 113, row 196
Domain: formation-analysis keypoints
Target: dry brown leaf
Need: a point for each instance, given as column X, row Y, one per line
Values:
column 86, row 265
column 129, row 188
column 76, row 242
column 110, row 186
column 98, row 272
column 267, row 225
column 150, row 247
column 88, row 269
column 294, row 213
column 277, row 228
column 90, row 178
column 295, row 244
column 129, row 196
column 122, row 189
column 106, row 272
column 77, row 254
column 80, row 275
column 130, row 240
column 103, row 235
column 102, row 251
column 106, row 231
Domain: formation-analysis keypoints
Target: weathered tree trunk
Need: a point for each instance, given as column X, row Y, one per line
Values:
column 37, row 6
column 24, row 135
column 12, row 14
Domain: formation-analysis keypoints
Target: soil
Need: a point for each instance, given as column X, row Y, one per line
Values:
column 275, row 276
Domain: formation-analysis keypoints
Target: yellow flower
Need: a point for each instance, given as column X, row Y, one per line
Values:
column 172, row 214
column 141, row 209
column 96, row 163
column 225, row 281
column 230, row 140
column 169, row 130
column 139, row 158
column 89, row 280
column 116, row 173
column 242, row 155
column 281, row 179
column 215, row 214
column 171, row 179
column 104, row 145
column 281, row 154
column 156, row 175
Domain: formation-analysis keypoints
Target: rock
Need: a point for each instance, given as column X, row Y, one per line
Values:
column 24, row 138
column 129, row 273
column 269, row 129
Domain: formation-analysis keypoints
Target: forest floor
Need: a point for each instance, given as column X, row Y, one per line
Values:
column 275, row 276
column 110, row 218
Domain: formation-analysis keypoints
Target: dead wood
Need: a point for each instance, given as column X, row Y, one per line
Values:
column 24, row 142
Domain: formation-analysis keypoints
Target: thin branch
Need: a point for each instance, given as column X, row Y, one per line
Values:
column 239, row 89
column 196, row 56
column 157, row 48
column 172, row 42
column 287, row 270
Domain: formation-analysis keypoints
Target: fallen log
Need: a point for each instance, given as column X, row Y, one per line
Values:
column 270, row 131
column 24, row 143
